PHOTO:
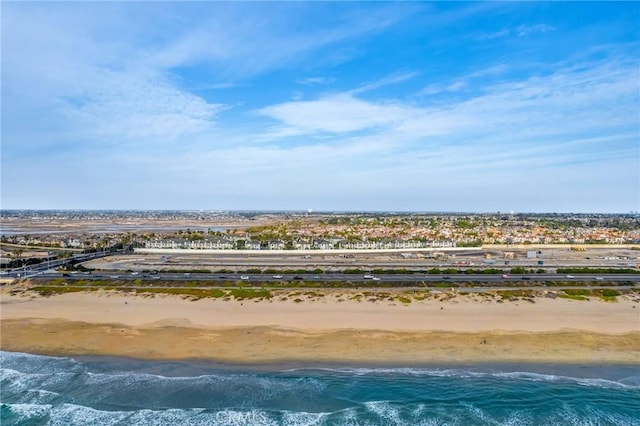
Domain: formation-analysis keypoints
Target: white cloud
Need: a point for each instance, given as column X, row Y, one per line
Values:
column 336, row 113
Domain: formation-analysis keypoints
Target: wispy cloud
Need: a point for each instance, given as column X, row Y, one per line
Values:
column 317, row 80
column 130, row 93
column 435, row 88
column 235, row 36
column 489, row 36
column 525, row 30
column 386, row 81
column 131, row 107
column 570, row 102
column 519, row 31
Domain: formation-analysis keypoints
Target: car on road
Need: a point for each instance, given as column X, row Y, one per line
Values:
column 297, row 278
column 446, row 277
column 570, row 276
column 277, row 276
column 368, row 277
column 244, row 277
column 599, row 278
column 526, row 278
column 505, row 276
column 375, row 279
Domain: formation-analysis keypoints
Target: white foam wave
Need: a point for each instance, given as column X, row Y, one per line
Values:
column 32, row 386
column 68, row 414
column 39, row 364
column 538, row 377
column 386, row 411
column 6, row 356
column 628, row 382
column 376, row 413
column 26, row 413
column 250, row 390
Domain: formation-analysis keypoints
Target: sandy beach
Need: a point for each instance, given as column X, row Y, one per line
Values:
column 329, row 329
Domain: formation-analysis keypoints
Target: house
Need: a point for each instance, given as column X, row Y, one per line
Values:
column 276, row 245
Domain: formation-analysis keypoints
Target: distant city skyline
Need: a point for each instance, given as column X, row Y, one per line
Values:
column 329, row 106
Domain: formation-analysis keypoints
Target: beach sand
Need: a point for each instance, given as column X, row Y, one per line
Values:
column 459, row 329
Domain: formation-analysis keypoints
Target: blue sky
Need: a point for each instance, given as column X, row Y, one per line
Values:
column 413, row 106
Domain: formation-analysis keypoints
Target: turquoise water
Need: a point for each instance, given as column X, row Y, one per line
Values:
column 114, row 391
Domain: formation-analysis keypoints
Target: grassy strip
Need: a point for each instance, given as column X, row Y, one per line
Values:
column 53, row 290
column 193, row 292
column 515, row 294
column 568, row 296
column 606, row 294
column 197, row 293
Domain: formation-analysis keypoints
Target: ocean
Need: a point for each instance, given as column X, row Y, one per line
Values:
column 43, row 390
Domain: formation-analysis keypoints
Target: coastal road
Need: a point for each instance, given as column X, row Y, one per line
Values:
column 398, row 279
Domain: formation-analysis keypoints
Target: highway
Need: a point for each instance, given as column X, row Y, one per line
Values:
column 29, row 271
column 397, row 279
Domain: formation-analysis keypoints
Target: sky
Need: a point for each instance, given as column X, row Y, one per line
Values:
column 328, row 106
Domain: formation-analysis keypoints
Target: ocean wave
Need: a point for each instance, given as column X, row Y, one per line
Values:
column 32, row 388
column 629, row 382
column 71, row 414
column 53, row 390
column 39, row 365
column 370, row 413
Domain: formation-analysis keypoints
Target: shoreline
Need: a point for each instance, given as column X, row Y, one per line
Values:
column 456, row 329
column 195, row 367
